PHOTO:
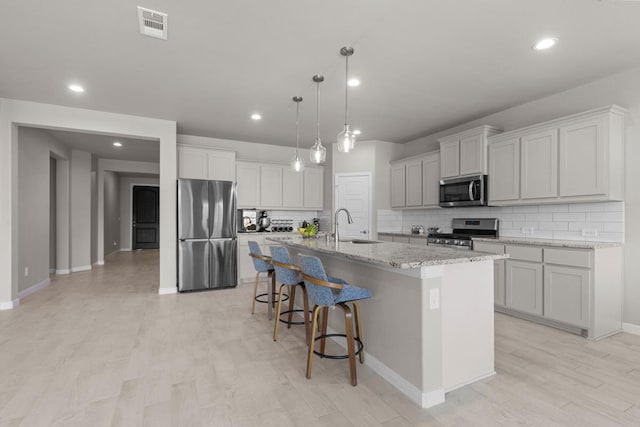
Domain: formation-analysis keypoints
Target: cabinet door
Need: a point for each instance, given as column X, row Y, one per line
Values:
column 398, row 185
column 385, row 237
column 413, row 183
column 192, row 163
column 566, row 294
column 524, row 286
column 248, row 178
column 472, row 155
column 504, row 170
column 292, row 188
column 271, row 186
column 313, row 182
column 221, row 165
column 540, row 165
column 499, row 282
column 449, row 159
column 582, row 159
column 431, row 180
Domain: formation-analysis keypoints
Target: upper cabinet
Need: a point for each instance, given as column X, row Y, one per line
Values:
column 415, row 182
column 579, row 158
column 465, row 153
column 204, row 163
column 274, row 186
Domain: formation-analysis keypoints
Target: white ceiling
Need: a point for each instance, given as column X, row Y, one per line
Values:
column 141, row 150
column 425, row 65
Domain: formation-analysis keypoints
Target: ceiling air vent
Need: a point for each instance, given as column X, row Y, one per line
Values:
column 152, row 23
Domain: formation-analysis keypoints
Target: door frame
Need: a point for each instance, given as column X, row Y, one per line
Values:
column 131, row 209
column 335, row 196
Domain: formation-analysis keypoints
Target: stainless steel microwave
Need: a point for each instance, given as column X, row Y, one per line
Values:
column 464, row 191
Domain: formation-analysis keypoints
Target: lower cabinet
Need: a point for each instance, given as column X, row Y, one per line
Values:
column 499, row 282
column 566, row 294
column 524, row 286
column 385, row 237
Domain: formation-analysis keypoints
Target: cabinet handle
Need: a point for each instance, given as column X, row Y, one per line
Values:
column 471, row 191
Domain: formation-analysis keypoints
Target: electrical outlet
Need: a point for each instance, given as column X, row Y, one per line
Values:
column 26, row 272
column 434, row 299
column 589, row 232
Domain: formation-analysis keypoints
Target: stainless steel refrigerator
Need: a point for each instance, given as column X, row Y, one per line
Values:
column 207, row 240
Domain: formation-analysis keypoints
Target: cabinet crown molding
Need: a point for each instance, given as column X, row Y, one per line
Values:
column 487, row 130
column 416, row 157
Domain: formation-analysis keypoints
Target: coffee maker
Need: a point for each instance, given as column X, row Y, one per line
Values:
column 264, row 221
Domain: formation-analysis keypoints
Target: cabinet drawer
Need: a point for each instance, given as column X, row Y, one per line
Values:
column 571, row 257
column 524, row 253
column 490, row 248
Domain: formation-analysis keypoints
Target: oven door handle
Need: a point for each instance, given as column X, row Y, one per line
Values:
column 471, row 191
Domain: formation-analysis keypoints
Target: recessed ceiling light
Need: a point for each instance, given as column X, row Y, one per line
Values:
column 117, row 144
column 76, row 88
column 353, row 82
column 256, row 116
column 356, row 132
column 545, row 43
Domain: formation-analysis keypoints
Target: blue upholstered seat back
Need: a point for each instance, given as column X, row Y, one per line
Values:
column 284, row 275
column 259, row 264
column 312, row 266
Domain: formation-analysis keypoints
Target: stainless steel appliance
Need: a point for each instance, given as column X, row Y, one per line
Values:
column 465, row 191
column 207, row 245
column 464, row 229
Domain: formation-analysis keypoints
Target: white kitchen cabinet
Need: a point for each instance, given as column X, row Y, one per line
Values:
column 539, row 176
column 271, row 186
column 413, row 182
column 431, row 180
column 398, row 186
column 504, row 170
column 292, row 188
column 566, row 294
column 313, row 184
column 204, row 163
column 248, row 189
column 579, row 158
column 385, row 237
column 524, row 286
column 499, row 269
column 465, row 153
column 583, row 158
column 401, row 239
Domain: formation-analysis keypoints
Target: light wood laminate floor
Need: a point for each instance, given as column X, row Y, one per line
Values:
column 103, row 348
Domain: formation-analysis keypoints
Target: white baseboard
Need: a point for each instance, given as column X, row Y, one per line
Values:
column 125, row 249
column 631, row 328
column 35, row 288
column 81, row 268
column 424, row 399
column 99, row 262
column 63, row 271
column 8, row 305
column 167, row 291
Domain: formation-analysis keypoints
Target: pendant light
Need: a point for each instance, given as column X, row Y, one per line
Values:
column 318, row 152
column 297, row 162
column 346, row 139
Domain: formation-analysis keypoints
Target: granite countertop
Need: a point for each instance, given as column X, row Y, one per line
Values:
column 578, row 244
column 388, row 254
column 402, row 233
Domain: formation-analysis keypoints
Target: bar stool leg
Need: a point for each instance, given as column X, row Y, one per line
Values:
column 270, row 291
column 278, row 310
column 292, row 298
column 356, row 312
column 325, row 316
column 255, row 293
column 312, row 343
column 305, row 304
column 348, row 325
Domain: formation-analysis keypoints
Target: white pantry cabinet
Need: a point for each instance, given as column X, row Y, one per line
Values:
column 204, row 163
column 415, row 181
column 579, row 158
column 465, row 153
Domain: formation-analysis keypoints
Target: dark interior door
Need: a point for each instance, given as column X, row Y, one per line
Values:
column 146, row 213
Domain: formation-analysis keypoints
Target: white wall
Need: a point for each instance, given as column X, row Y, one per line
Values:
column 52, row 214
column 126, row 185
column 111, row 212
column 80, row 210
column 622, row 89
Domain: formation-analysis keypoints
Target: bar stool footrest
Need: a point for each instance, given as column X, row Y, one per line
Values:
column 298, row 310
column 275, row 298
column 339, row 356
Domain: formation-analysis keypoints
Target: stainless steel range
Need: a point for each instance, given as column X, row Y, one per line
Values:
column 464, row 229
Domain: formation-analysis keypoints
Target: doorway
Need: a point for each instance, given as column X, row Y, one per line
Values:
column 145, row 217
column 353, row 191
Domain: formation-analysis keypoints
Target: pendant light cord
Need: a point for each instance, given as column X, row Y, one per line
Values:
column 318, row 112
column 346, row 90
column 297, row 127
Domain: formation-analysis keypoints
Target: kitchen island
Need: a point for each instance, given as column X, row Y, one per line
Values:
column 429, row 327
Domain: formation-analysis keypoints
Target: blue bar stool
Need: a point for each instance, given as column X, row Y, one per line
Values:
column 289, row 275
column 325, row 292
column 263, row 264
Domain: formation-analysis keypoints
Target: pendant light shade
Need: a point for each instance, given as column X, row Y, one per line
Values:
column 346, row 139
column 297, row 162
column 318, row 153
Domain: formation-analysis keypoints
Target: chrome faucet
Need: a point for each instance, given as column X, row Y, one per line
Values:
column 335, row 220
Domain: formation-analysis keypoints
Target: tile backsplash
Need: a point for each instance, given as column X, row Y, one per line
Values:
column 581, row 221
column 296, row 216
